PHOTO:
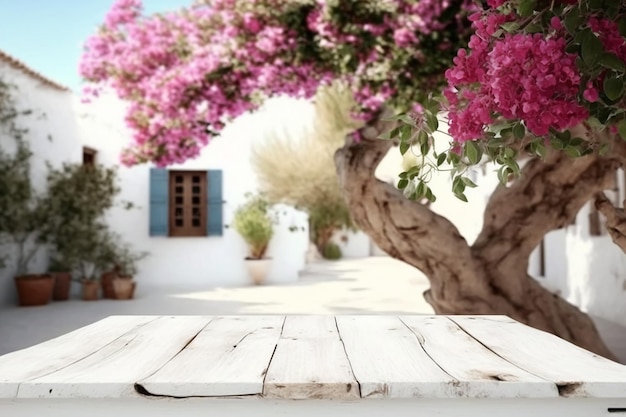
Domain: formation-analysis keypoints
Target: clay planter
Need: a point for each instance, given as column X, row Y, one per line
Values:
column 62, row 284
column 107, row 284
column 258, row 269
column 34, row 289
column 124, row 288
column 90, row 290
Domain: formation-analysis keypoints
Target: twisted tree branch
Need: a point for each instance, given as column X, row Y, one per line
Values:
column 615, row 220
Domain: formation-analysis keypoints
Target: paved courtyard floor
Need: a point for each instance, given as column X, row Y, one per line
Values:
column 377, row 285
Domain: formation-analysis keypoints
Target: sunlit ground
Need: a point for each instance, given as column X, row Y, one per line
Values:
column 377, row 285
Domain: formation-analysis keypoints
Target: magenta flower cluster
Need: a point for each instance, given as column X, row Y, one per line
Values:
column 527, row 77
column 188, row 72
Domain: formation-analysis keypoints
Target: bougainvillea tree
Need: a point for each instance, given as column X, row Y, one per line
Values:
column 535, row 75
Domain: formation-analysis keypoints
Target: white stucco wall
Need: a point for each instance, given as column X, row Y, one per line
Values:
column 203, row 261
column 52, row 137
column 596, row 272
column 353, row 244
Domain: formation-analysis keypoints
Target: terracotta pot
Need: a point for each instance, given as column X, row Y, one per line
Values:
column 258, row 269
column 34, row 289
column 62, row 284
column 107, row 284
column 124, row 288
column 90, row 290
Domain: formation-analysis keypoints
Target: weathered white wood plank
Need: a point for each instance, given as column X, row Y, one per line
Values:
column 263, row 407
column 112, row 371
column 229, row 358
column 480, row 372
column 60, row 352
column 310, row 362
column 577, row 372
column 388, row 361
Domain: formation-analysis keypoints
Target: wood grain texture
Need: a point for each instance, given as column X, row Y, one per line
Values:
column 310, row 362
column 50, row 356
column 480, row 372
column 111, row 371
column 388, row 360
column 575, row 371
column 228, row 358
column 343, row 358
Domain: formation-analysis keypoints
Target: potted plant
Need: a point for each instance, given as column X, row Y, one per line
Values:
column 61, row 271
column 125, row 269
column 94, row 248
column 255, row 223
column 79, row 197
column 21, row 216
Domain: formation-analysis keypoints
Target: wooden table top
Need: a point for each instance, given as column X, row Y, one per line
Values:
column 308, row 357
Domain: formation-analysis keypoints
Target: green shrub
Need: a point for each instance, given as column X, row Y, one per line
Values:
column 254, row 222
column 332, row 252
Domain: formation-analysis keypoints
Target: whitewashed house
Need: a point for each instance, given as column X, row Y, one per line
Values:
column 53, row 137
column 182, row 213
column 579, row 262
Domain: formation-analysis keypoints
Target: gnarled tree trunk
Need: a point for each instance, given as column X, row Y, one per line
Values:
column 490, row 276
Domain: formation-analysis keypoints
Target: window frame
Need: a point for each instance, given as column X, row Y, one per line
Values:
column 90, row 153
column 187, row 205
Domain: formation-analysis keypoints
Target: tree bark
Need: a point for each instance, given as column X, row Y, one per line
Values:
column 490, row 276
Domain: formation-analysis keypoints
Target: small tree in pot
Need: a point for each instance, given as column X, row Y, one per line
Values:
column 255, row 223
column 125, row 269
column 90, row 249
column 21, row 209
column 79, row 197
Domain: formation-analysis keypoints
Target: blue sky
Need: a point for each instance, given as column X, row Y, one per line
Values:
column 47, row 35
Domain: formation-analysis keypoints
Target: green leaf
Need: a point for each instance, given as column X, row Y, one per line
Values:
column 519, row 131
column 510, row 26
column 408, row 120
column 432, row 122
column 469, row 182
column 405, row 132
column 430, row 196
column 403, row 183
column 513, row 166
column 572, row 151
column 420, row 191
column 573, row 21
column 591, row 48
column 503, row 174
column 457, row 185
column 621, row 128
column 413, row 172
column 541, row 150
column 472, row 152
column 404, row 147
column 557, row 143
column 526, row 8
column 441, row 159
column 533, row 28
column 613, row 87
column 461, row 197
column 422, row 137
column 612, row 61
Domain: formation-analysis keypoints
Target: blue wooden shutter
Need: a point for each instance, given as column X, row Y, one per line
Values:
column 214, row 224
column 159, row 202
